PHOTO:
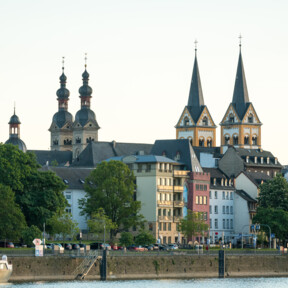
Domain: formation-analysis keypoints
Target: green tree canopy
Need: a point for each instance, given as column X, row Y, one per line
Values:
column 12, row 220
column 272, row 207
column 126, row 239
column 111, row 186
column 144, row 238
column 31, row 233
column 193, row 224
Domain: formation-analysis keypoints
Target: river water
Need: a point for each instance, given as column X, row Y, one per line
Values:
column 192, row 283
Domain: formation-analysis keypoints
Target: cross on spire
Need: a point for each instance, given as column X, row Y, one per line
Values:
column 195, row 42
column 85, row 60
column 240, row 40
column 63, row 61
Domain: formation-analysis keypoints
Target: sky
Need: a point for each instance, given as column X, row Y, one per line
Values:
column 140, row 55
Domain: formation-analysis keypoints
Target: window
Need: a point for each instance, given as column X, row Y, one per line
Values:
column 223, row 195
column 227, row 195
column 169, row 239
column 215, row 194
column 164, row 212
column 148, row 168
column 151, row 226
column 205, row 216
column 197, row 199
column 201, row 142
column 197, row 186
column 186, row 121
column 227, row 140
column 210, row 195
column 205, row 121
column 231, row 223
column 231, row 195
column 160, row 226
column 250, row 118
column 227, row 223
column 204, row 200
column 216, row 223
column 164, row 226
column 246, row 140
column 231, row 209
column 68, row 196
column 227, row 209
column 235, row 140
column 164, row 240
column 210, row 209
column 231, row 118
column 210, row 222
column 223, row 209
column 68, row 210
column 224, row 226
column 159, row 212
column 169, row 212
column 205, row 187
column 169, row 226
column 254, row 140
column 215, row 209
column 214, row 181
column 209, row 143
column 200, row 200
column 139, row 168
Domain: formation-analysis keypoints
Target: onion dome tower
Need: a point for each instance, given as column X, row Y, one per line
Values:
column 61, row 127
column 85, row 126
column 195, row 122
column 240, row 125
column 14, row 133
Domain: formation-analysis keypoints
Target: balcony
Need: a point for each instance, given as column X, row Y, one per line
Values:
column 177, row 218
column 178, row 203
column 178, row 188
column 164, row 188
column 164, row 203
column 165, row 218
column 180, row 173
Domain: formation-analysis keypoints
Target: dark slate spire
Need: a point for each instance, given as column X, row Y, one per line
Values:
column 196, row 94
column 240, row 95
column 63, row 93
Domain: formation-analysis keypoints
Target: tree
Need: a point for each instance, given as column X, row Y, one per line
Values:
column 111, row 186
column 62, row 225
column 272, row 207
column 193, row 224
column 31, row 233
column 12, row 220
column 126, row 239
column 100, row 223
column 144, row 238
column 38, row 193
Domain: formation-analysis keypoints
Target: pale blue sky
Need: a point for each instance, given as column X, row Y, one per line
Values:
column 140, row 59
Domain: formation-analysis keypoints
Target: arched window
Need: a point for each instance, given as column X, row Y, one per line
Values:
column 231, row 118
column 227, row 140
column 205, row 121
column 209, row 142
column 186, row 121
column 250, row 118
column 235, row 140
column 246, row 140
column 201, row 142
column 254, row 140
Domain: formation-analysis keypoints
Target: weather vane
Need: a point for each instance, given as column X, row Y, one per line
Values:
column 63, row 61
column 240, row 40
column 196, row 42
column 85, row 60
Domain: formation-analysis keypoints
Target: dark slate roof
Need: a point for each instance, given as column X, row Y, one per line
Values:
column 96, row 152
column 62, row 157
column 146, row 159
column 61, row 117
column 215, row 151
column 240, row 95
column 14, row 119
column 15, row 140
column 245, row 196
column 257, row 177
column 182, row 147
column 195, row 112
column 215, row 173
column 73, row 177
column 84, row 115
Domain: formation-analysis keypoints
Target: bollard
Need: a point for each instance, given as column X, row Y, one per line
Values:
column 103, row 269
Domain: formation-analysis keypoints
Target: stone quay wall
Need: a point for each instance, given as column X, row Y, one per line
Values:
column 150, row 267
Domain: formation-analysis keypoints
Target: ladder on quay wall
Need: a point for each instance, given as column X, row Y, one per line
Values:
column 83, row 269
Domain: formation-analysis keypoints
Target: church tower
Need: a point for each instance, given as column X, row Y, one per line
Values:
column 61, row 127
column 14, row 133
column 85, row 126
column 240, row 126
column 196, row 122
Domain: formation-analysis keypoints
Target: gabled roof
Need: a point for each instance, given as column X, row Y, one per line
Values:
column 215, row 173
column 96, row 152
column 73, row 177
column 61, row 157
column 245, row 196
column 180, row 150
column 145, row 159
column 257, row 177
column 215, row 151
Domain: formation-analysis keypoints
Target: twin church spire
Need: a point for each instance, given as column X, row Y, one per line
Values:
column 240, row 126
column 68, row 134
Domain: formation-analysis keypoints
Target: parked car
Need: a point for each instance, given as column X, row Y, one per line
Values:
column 102, row 246
column 67, row 246
column 149, row 247
column 156, row 246
column 7, row 244
column 173, row 246
column 138, row 248
column 114, row 246
column 75, row 246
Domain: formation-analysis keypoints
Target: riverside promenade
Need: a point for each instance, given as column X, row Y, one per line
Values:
column 151, row 265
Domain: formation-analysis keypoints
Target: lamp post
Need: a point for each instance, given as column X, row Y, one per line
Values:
column 43, row 238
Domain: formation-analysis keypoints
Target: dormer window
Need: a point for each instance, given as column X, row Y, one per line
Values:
column 214, row 181
column 261, row 160
column 177, row 155
column 164, row 154
column 255, row 160
column 225, row 182
column 268, row 160
column 247, row 159
column 222, row 182
column 276, row 161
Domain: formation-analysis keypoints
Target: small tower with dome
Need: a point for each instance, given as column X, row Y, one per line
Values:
column 61, row 127
column 85, row 126
column 14, row 133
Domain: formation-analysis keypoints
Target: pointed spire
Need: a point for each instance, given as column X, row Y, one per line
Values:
column 85, row 90
column 240, row 94
column 196, row 95
column 63, row 93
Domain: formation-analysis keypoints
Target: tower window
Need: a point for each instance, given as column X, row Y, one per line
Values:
column 227, row 140
column 250, row 118
column 186, row 121
column 89, row 140
column 231, row 118
column 246, row 140
column 209, row 143
column 68, row 142
column 201, row 142
column 254, row 140
column 78, row 140
column 205, row 121
column 235, row 140
column 55, row 142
